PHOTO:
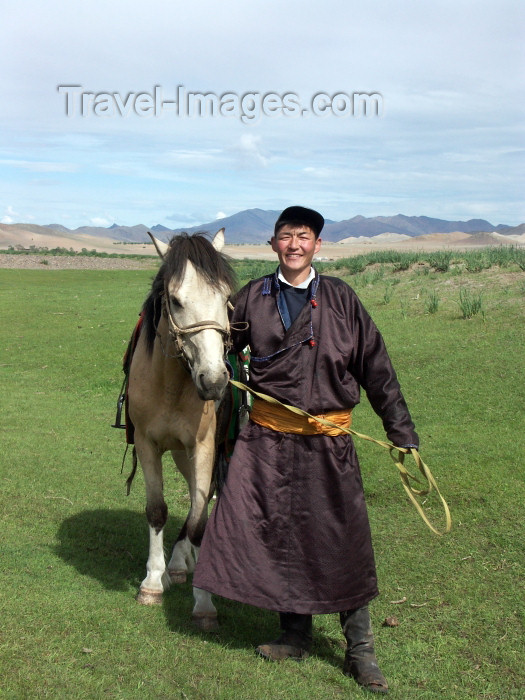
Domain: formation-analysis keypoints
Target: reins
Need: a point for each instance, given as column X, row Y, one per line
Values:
column 406, row 476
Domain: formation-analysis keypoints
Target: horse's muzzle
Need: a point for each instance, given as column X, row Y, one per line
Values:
column 211, row 389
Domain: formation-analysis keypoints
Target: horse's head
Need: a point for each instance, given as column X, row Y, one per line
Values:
column 198, row 282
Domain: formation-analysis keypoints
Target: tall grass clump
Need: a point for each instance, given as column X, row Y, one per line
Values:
column 477, row 261
column 432, row 302
column 504, row 256
column 519, row 257
column 353, row 265
column 368, row 277
column 388, row 293
column 252, row 269
column 440, row 260
column 470, row 304
column 496, row 256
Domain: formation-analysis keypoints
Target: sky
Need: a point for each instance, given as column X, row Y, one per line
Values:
column 90, row 134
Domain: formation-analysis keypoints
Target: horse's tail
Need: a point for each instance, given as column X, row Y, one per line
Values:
column 134, row 463
column 223, row 448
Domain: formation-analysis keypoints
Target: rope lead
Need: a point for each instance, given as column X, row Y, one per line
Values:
column 398, row 459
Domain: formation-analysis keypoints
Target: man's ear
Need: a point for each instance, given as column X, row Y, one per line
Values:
column 273, row 243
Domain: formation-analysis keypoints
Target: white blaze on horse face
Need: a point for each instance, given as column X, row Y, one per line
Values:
column 191, row 302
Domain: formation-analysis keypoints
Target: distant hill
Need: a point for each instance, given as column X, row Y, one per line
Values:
column 159, row 228
column 130, row 234
column 249, row 226
column 514, row 230
column 58, row 227
column 256, row 226
column 406, row 225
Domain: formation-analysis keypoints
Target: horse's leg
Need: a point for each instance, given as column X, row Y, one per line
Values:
column 204, row 613
column 196, row 468
column 182, row 561
column 157, row 579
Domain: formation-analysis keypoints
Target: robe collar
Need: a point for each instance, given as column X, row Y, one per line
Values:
column 303, row 285
column 312, row 282
column 302, row 330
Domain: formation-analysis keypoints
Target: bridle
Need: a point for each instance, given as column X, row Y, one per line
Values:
column 178, row 333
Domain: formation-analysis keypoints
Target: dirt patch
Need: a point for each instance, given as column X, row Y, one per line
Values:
column 329, row 251
column 76, row 262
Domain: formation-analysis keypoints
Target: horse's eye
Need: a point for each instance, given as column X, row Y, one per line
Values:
column 175, row 303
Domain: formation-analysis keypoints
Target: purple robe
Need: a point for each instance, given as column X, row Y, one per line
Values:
column 290, row 530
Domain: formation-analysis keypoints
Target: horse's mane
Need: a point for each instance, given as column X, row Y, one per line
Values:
column 214, row 267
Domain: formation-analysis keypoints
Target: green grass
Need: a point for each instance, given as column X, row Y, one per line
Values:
column 74, row 546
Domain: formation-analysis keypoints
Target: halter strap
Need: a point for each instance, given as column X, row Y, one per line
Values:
column 177, row 333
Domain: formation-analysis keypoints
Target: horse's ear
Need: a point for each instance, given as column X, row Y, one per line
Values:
column 161, row 248
column 218, row 240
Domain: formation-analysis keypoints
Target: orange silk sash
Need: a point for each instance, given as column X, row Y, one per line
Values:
column 282, row 420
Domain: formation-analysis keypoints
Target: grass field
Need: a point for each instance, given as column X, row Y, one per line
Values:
column 74, row 547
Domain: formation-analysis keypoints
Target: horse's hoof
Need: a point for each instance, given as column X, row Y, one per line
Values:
column 178, row 576
column 148, row 597
column 205, row 622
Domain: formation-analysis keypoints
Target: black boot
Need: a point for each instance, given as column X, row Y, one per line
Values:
column 360, row 659
column 294, row 641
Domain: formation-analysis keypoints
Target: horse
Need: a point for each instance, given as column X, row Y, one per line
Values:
column 177, row 374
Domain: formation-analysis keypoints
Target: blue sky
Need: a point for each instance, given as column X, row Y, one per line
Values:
column 449, row 142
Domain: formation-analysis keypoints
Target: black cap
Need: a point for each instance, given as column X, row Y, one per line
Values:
column 308, row 217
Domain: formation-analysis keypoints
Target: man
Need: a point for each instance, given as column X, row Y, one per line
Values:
column 290, row 531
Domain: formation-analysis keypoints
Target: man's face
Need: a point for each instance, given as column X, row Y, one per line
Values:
column 295, row 247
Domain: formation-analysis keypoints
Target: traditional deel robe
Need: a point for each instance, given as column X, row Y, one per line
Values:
column 290, row 530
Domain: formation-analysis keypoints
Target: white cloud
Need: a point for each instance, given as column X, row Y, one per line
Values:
column 39, row 166
column 248, row 152
column 322, row 172
column 100, row 221
column 193, row 159
column 10, row 215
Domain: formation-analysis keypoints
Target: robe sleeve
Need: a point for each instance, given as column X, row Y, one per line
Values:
column 372, row 368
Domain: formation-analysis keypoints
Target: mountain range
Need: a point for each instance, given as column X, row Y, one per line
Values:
column 256, row 226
